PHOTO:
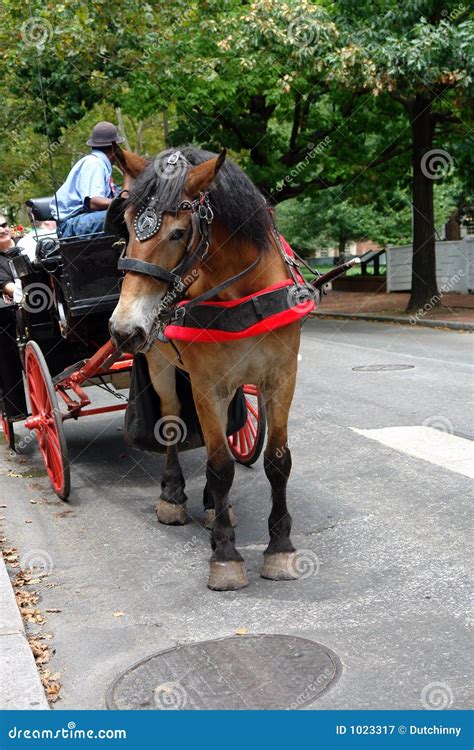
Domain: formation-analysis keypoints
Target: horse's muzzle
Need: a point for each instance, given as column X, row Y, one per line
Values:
column 130, row 339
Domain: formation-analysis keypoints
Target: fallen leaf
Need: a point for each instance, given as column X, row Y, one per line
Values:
column 118, row 614
column 63, row 514
column 10, row 473
column 53, row 609
column 241, row 631
column 40, row 650
column 52, row 585
column 33, row 615
column 11, row 557
column 23, row 578
column 26, row 598
column 51, row 684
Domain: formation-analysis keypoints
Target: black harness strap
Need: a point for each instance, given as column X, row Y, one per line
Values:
column 148, row 269
column 250, row 312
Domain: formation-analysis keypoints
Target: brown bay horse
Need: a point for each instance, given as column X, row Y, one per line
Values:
column 160, row 217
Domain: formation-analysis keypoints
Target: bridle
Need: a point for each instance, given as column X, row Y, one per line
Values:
column 147, row 223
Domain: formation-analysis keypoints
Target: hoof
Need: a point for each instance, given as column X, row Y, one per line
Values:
column 280, row 566
column 171, row 514
column 227, row 576
column 210, row 517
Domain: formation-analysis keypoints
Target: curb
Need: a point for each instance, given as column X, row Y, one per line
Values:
column 453, row 325
column 20, row 684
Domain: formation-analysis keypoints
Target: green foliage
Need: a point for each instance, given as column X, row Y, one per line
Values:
column 329, row 221
column 305, row 95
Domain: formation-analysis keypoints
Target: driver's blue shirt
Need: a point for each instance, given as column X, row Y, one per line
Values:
column 90, row 177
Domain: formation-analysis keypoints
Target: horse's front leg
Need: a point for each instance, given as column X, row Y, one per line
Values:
column 171, row 508
column 279, row 557
column 227, row 569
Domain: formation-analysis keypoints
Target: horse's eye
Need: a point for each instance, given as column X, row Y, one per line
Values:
column 177, row 235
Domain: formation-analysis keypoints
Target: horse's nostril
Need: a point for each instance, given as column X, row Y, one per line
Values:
column 127, row 338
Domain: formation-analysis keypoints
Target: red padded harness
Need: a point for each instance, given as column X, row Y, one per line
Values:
column 291, row 314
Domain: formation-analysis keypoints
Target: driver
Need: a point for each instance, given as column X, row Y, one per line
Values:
column 82, row 201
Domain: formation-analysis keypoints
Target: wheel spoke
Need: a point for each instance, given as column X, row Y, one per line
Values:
column 253, row 428
column 252, row 409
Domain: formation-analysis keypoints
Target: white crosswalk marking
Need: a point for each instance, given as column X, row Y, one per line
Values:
column 438, row 447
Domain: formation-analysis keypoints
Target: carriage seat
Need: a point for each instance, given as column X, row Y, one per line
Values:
column 40, row 208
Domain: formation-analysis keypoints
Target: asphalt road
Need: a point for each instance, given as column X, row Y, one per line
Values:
column 383, row 534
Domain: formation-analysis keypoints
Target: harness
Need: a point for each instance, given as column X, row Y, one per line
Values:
column 198, row 319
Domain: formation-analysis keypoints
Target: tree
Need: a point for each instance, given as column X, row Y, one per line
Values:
column 325, row 221
column 420, row 56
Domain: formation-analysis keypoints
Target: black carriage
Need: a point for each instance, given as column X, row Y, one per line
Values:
column 61, row 345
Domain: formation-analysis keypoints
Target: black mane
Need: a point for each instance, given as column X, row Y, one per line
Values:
column 235, row 200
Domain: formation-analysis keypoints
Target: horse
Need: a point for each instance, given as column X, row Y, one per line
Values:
column 167, row 217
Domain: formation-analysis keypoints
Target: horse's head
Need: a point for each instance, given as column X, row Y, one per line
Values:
column 159, row 221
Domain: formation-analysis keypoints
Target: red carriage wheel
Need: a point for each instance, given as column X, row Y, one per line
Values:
column 7, row 427
column 246, row 444
column 46, row 420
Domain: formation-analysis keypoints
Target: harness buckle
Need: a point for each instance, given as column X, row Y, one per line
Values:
column 205, row 212
column 179, row 313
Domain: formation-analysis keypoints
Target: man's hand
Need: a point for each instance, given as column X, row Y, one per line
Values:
column 98, row 203
column 8, row 289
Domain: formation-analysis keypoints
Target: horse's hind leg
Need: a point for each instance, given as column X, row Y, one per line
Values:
column 279, row 555
column 227, row 569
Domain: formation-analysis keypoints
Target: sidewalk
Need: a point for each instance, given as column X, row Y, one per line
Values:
column 457, row 310
column 20, row 684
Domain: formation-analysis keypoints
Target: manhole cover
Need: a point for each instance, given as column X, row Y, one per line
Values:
column 382, row 368
column 242, row 672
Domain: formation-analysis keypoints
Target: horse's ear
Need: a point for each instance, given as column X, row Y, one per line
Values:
column 199, row 178
column 130, row 164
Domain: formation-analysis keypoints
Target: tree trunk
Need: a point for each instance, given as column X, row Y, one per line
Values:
column 139, row 138
column 166, row 129
column 424, row 288
column 453, row 227
column 121, row 127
